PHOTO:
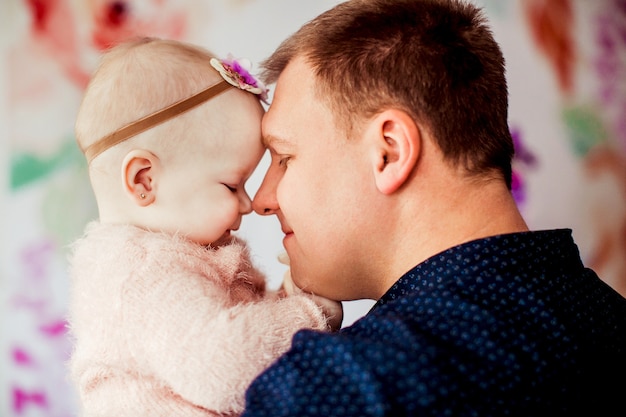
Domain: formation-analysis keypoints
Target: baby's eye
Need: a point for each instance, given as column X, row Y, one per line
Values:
column 231, row 188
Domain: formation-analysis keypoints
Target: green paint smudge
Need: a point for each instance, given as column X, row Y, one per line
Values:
column 584, row 128
column 27, row 168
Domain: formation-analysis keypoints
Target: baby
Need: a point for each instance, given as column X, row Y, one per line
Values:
column 167, row 313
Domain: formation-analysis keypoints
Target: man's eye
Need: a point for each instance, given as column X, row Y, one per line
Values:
column 282, row 162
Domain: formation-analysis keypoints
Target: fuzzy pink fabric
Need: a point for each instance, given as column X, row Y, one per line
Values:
column 165, row 327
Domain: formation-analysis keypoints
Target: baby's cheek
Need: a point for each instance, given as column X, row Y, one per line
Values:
column 231, row 213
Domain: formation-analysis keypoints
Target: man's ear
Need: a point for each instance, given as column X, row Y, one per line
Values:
column 396, row 143
column 139, row 171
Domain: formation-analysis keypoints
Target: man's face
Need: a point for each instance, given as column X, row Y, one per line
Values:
column 317, row 184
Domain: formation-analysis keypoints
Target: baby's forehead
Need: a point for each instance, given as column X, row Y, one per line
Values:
column 233, row 112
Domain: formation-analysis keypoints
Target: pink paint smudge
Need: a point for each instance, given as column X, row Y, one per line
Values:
column 118, row 20
column 22, row 358
column 35, row 259
column 22, row 399
column 53, row 30
column 54, row 329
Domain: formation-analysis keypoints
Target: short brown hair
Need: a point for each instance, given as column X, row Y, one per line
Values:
column 435, row 59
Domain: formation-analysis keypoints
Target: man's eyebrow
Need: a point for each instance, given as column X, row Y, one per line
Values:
column 272, row 141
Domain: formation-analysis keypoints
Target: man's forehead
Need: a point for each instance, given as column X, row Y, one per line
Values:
column 296, row 81
column 276, row 124
column 292, row 104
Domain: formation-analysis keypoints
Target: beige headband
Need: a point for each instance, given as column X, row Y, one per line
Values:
column 154, row 119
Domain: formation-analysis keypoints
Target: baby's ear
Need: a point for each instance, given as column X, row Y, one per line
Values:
column 139, row 176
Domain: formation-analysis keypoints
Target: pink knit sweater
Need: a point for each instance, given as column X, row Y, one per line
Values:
column 165, row 327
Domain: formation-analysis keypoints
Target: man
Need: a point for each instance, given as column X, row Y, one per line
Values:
column 391, row 175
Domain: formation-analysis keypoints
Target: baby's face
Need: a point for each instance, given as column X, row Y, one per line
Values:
column 203, row 195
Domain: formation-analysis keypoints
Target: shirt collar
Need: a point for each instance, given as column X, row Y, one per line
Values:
column 467, row 260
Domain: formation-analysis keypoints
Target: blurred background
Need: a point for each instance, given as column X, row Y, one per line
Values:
column 566, row 63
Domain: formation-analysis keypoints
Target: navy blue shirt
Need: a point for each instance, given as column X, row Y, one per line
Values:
column 511, row 325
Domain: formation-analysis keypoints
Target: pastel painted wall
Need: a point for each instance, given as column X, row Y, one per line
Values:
column 566, row 70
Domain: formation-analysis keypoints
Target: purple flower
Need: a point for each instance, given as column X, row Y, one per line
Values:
column 237, row 74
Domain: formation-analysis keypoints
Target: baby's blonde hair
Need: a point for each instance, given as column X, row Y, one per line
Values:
column 136, row 78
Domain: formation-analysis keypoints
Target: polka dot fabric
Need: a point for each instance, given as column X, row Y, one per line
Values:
column 511, row 325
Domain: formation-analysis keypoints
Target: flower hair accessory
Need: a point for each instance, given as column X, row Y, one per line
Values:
column 237, row 73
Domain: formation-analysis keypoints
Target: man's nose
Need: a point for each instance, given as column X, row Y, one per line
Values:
column 264, row 202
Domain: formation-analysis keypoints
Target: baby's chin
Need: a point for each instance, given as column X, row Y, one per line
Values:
column 224, row 240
